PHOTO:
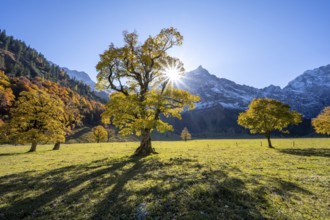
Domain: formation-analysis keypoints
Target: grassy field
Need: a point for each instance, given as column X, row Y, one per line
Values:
column 203, row 179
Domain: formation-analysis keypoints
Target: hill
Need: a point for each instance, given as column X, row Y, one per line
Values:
column 22, row 68
column 17, row 59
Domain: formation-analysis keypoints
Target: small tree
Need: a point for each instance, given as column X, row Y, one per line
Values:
column 185, row 135
column 264, row 116
column 69, row 119
column 142, row 76
column 321, row 123
column 35, row 119
column 100, row 133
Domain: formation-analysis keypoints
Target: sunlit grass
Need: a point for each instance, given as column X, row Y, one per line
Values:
column 204, row 179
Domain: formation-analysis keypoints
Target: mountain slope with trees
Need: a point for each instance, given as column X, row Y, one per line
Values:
column 23, row 69
column 18, row 59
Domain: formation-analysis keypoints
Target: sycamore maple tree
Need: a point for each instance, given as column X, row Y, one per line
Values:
column 142, row 77
column 265, row 115
column 185, row 134
column 100, row 134
column 6, row 93
column 36, row 118
column 321, row 123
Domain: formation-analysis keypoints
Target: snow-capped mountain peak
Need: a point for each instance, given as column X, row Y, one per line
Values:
column 308, row 93
column 311, row 79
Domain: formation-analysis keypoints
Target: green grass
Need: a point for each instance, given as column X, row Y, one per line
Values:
column 204, row 179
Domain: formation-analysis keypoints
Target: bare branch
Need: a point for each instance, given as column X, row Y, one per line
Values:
column 112, row 85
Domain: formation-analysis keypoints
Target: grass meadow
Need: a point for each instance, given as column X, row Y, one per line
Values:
column 198, row 179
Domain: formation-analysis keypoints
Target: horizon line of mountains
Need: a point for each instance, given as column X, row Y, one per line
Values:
column 221, row 99
column 308, row 93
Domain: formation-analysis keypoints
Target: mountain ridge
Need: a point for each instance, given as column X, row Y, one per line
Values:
column 306, row 93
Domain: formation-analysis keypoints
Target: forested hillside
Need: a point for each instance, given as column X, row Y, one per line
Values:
column 22, row 68
column 10, row 87
column 17, row 59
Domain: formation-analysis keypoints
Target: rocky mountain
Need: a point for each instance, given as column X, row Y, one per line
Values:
column 85, row 78
column 80, row 76
column 309, row 93
column 222, row 100
column 217, row 91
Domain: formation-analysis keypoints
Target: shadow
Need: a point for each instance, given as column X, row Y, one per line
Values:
column 283, row 188
column 320, row 152
column 129, row 188
column 10, row 154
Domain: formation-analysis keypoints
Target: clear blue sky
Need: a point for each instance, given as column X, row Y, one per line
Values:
column 257, row 42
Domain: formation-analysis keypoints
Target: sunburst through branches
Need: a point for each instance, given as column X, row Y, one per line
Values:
column 173, row 73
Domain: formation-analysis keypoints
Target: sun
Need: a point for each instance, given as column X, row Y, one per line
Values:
column 172, row 73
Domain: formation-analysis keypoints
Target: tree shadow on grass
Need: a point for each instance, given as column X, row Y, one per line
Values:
column 10, row 154
column 320, row 152
column 129, row 188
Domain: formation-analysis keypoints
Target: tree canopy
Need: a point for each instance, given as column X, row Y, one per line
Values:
column 36, row 118
column 139, row 75
column 100, row 134
column 265, row 115
column 321, row 123
column 6, row 93
column 185, row 134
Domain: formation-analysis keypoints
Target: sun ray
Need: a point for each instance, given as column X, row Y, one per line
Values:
column 172, row 74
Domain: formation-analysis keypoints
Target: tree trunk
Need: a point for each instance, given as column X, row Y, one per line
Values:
column 145, row 147
column 57, row 145
column 269, row 142
column 33, row 146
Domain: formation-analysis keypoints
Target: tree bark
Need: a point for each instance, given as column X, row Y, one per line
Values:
column 33, row 146
column 57, row 145
column 269, row 142
column 145, row 147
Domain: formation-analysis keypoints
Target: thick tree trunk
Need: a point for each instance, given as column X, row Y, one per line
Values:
column 57, row 145
column 269, row 142
column 33, row 146
column 145, row 147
